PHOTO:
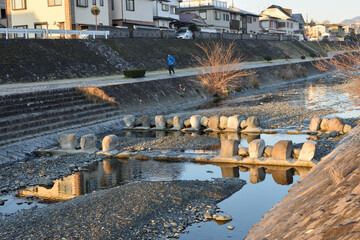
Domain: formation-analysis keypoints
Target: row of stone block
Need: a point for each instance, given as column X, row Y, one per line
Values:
column 196, row 122
column 69, row 141
column 282, row 150
column 334, row 124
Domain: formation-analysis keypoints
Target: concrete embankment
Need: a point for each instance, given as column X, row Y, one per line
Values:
column 37, row 60
column 325, row 205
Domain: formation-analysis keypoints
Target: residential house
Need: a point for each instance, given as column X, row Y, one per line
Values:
column 250, row 22
column 165, row 12
column 132, row 13
column 336, row 30
column 188, row 19
column 55, row 14
column 280, row 17
column 299, row 17
column 3, row 21
column 317, row 32
column 215, row 13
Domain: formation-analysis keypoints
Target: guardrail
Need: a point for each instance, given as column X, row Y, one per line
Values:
column 49, row 32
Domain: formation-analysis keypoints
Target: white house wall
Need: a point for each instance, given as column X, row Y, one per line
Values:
column 143, row 11
column 84, row 16
column 38, row 11
column 254, row 26
column 158, row 12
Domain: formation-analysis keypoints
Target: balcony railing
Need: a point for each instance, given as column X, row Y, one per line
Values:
column 200, row 3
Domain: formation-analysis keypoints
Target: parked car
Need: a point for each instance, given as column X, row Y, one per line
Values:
column 184, row 34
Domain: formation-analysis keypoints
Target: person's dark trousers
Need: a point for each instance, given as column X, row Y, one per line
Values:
column 171, row 69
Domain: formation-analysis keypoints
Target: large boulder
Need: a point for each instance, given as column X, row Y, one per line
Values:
column 109, row 143
column 229, row 148
column 68, row 141
column 307, row 152
column 256, row 148
column 282, row 150
column 233, row 123
column 324, row 124
column 223, row 122
column 88, row 142
column 187, row 123
column 243, row 124
column 252, row 122
column 195, row 122
column 204, row 121
column 213, row 122
column 335, row 124
column 347, row 128
column 160, row 122
column 129, row 121
column 268, row 151
column 243, row 152
column 143, row 121
column 315, row 124
column 178, row 123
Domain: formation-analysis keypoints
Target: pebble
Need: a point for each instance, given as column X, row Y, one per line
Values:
column 230, row 227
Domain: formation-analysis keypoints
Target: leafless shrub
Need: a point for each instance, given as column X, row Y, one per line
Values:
column 220, row 67
column 288, row 73
column 336, row 174
column 345, row 63
column 276, row 74
column 94, row 93
column 254, row 81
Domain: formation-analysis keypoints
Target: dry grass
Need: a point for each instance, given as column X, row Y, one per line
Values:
column 220, row 68
column 336, row 174
column 346, row 65
column 94, row 93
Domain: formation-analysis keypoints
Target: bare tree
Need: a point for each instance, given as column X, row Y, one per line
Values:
column 220, row 67
column 345, row 64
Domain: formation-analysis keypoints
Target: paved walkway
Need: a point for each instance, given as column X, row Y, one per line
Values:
column 8, row 89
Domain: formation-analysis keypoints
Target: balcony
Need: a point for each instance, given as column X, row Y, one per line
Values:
column 201, row 3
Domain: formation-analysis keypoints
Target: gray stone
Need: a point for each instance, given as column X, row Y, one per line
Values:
column 324, row 124
column 129, row 121
column 347, row 128
column 334, row 134
column 253, row 122
column 144, row 121
column 195, row 122
column 109, row 143
column 88, row 141
column 256, row 148
column 229, row 148
column 233, row 123
column 223, row 122
column 160, row 122
column 268, row 151
column 68, row 141
column 335, row 124
column 204, row 121
column 213, row 122
column 314, row 124
column 307, row 152
column 282, row 150
column 178, row 122
column 243, row 152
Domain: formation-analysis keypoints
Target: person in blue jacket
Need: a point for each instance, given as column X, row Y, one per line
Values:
column 171, row 62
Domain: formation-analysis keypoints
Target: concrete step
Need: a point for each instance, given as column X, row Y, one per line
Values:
column 43, row 118
column 29, row 133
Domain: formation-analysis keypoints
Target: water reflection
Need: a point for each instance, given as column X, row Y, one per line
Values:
column 112, row 172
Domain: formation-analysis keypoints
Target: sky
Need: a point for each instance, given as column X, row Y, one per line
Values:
column 320, row 10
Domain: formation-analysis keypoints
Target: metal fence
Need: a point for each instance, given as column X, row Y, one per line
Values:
column 45, row 33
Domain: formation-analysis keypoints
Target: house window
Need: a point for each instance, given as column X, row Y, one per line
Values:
column 82, row 3
column 18, row 4
column 53, row 3
column 254, row 19
column 203, row 14
column 287, row 24
column 227, row 17
column 101, row 2
column 291, row 25
column 130, row 5
column 165, row 7
column 249, row 20
column 217, row 15
column 282, row 24
column 94, row 2
column 112, row 5
column 3, row 14
column 20, row 35
column 173, row 10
